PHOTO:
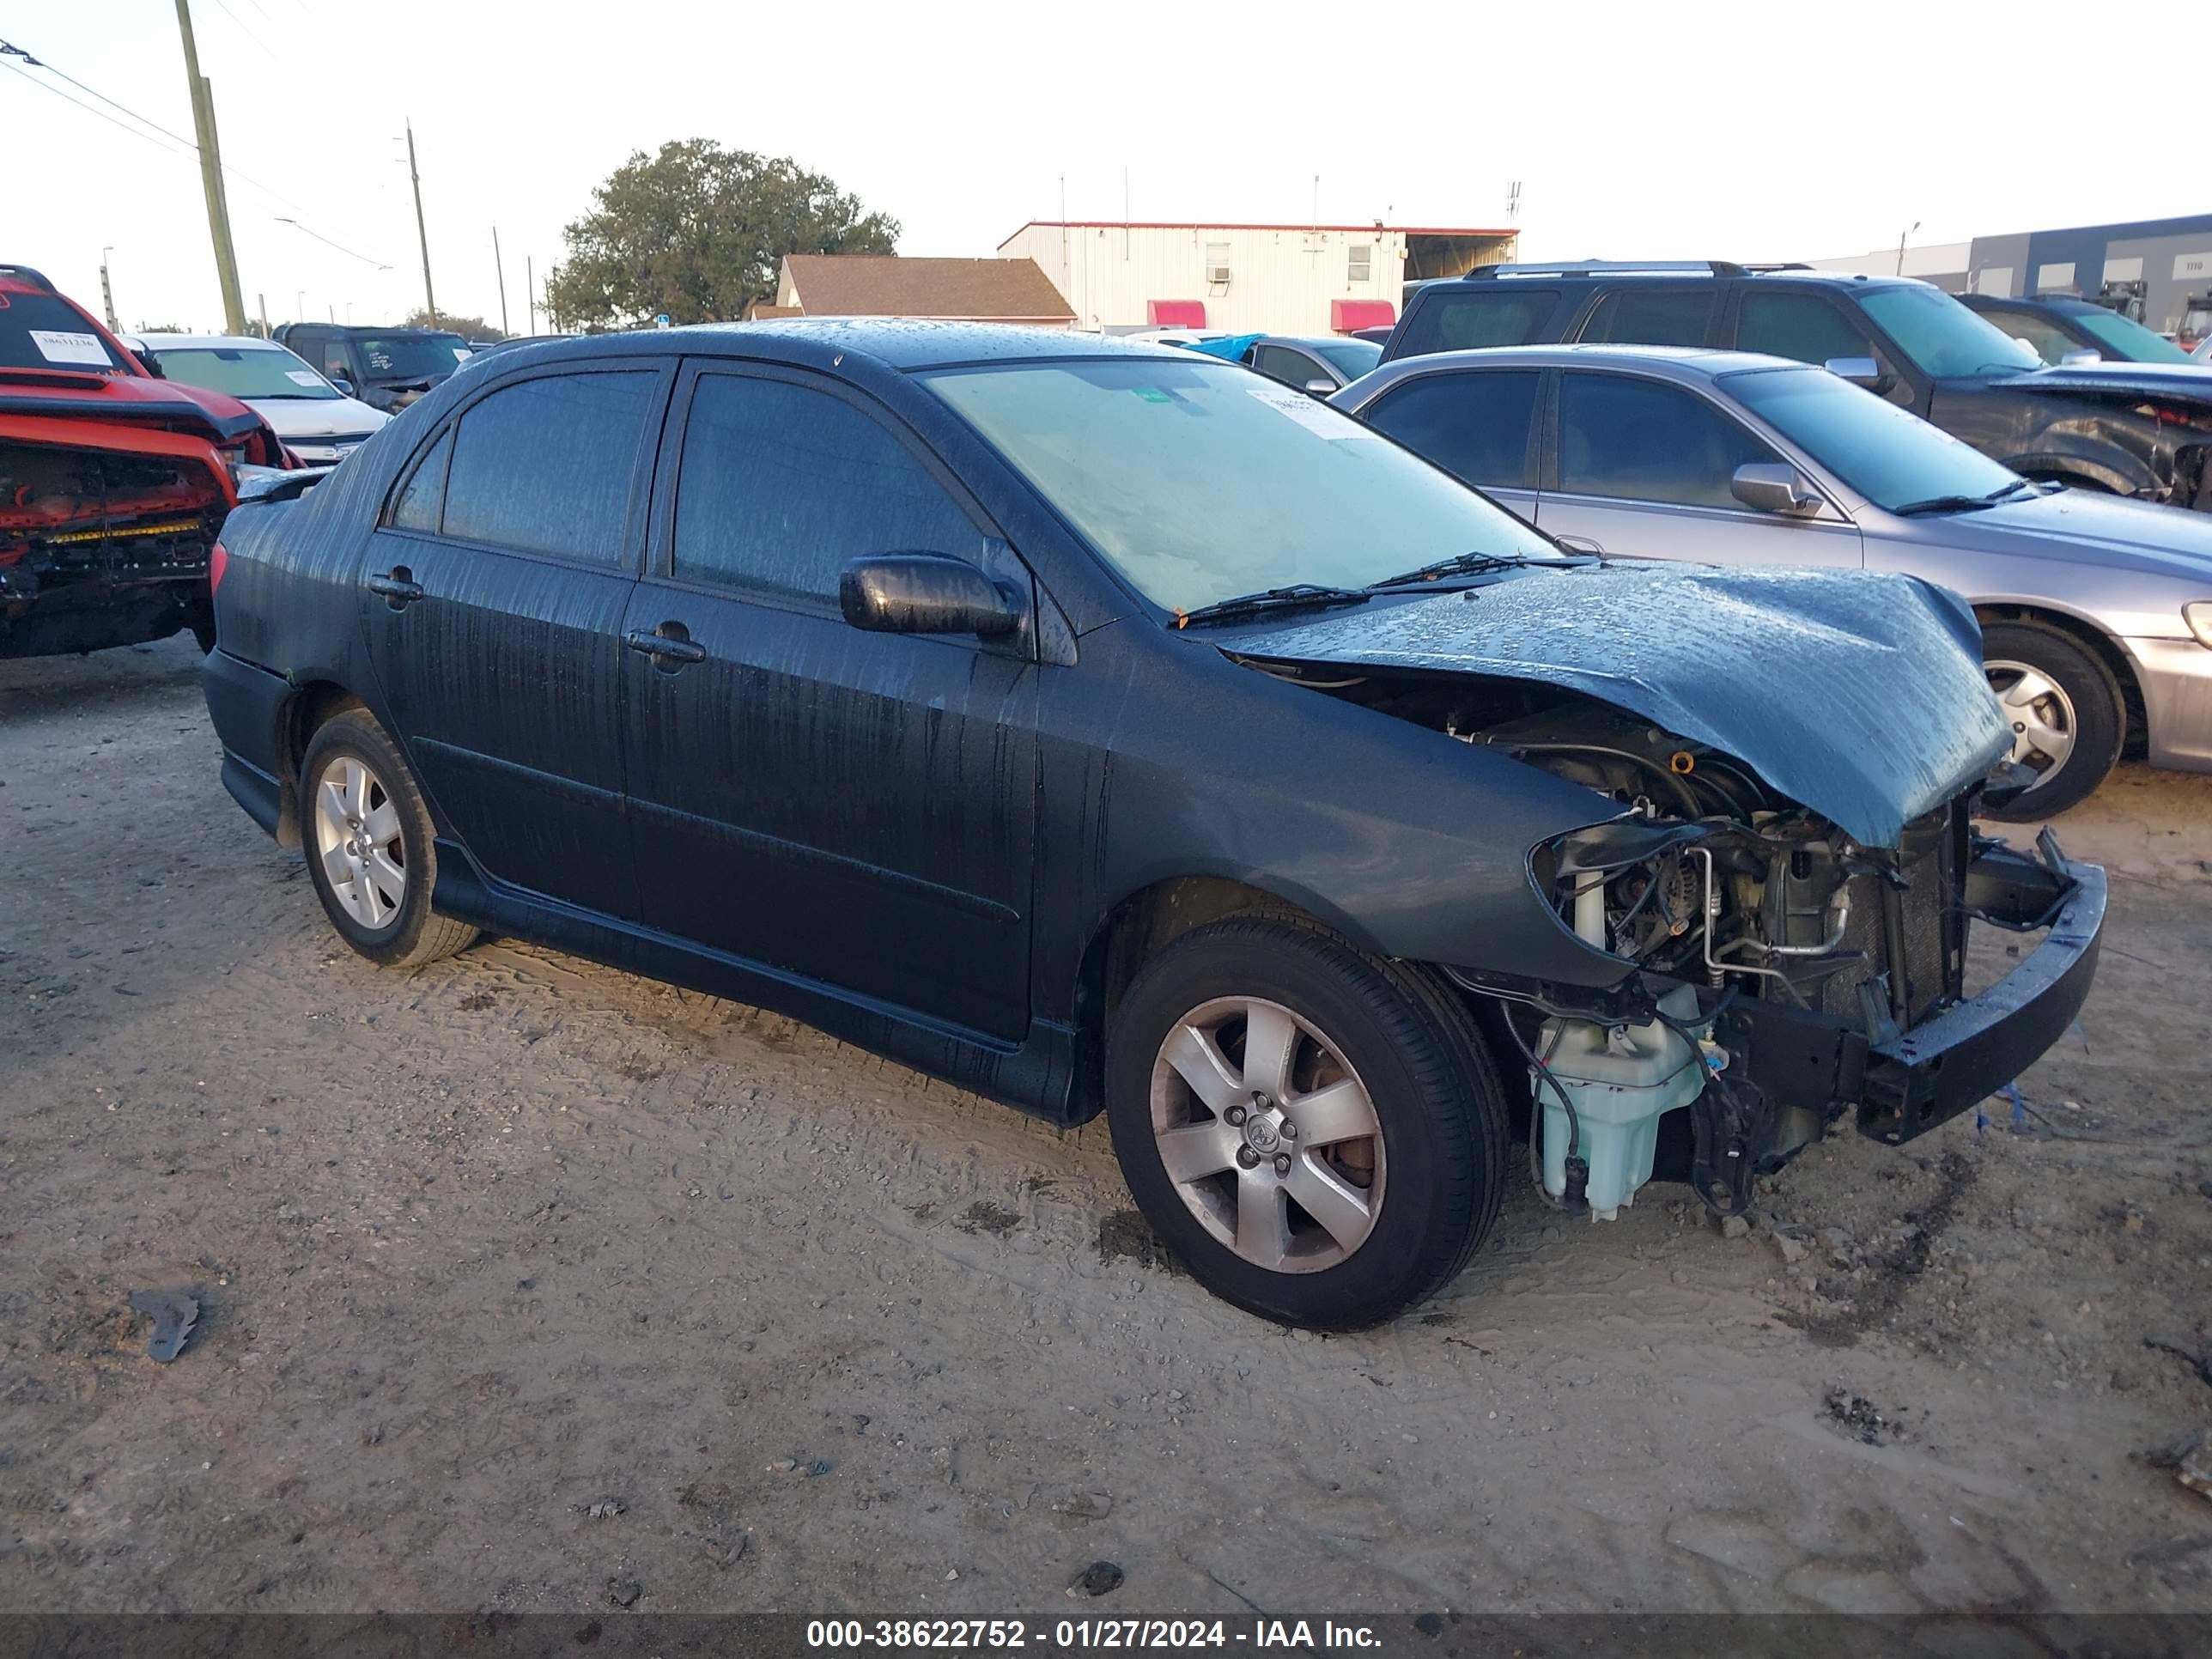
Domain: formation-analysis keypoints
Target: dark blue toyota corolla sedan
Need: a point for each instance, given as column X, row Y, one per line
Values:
column 1106, row 728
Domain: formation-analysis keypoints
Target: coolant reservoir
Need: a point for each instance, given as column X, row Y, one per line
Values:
column 1620, row 1078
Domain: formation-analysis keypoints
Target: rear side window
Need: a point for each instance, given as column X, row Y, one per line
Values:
column 545, row 465
column 1802, row 327
column 1464, row 321
column 781, row 484
column 1643, row 440
column 1475, row 424
column 1676, row 317
column 424, row 499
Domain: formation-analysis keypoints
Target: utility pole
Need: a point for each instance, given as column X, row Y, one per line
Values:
column 1901, row 235
column 263, row 299
column 429, row 299
column 218, row 208
column 500, row 272
column 107, row 293
column 530, row 290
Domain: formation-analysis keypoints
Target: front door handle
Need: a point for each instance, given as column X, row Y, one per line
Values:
column 397, row 584
column 666, row 648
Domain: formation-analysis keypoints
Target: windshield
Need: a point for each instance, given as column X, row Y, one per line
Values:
column 1942, row 337
column 2129, row 339
column 1199, row 484
column 1888, row 455
column 1352, row 358
column 243, row 371
column 44, row 330
column 412, row 356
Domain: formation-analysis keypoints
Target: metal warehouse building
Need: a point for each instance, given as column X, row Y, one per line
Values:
column 2158, row 271
column 1281, row 279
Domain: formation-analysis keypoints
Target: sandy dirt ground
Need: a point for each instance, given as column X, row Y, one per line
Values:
column 528, row 1283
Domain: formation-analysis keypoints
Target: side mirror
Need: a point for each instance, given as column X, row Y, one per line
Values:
column 344, row 385
column 151, row 364
column 1321, row 388
column 1859, row 371
column 2075, row 359
column 1772, row 487
column 925, row 593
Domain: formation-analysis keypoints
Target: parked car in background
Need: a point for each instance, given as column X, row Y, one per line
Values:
column 1379, row 336
column 387, row 369
column 1321, row 364
column 317, row 421
column 856, row 670
column 2096, row 613
column 113, row 483
column 2143, row 430
column 2062, row 331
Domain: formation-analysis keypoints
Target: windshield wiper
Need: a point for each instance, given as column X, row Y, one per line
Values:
column 1962, row 503
column 1465, row 564
column 1298, row 596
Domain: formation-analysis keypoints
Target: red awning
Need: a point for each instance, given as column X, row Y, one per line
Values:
column 1176, row 313
column 1345, row 315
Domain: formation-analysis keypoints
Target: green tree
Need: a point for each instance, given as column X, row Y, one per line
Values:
column 699, row 232
column 469, row 328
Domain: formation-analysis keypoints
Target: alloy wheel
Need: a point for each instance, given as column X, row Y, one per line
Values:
column 358, row 839
column 2040, row 713
column 1268, row 1134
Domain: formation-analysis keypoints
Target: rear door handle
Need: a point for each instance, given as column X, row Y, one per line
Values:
column 663, row 647
column 397, row 584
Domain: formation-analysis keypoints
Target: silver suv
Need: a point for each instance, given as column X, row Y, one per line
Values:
column 2096, row 611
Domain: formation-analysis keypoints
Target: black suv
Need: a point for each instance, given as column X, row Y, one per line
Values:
column 2140, row 429
column 387, row 369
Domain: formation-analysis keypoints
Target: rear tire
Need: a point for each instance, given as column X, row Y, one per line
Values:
column 2065, row 706
column 1391, row 1170
column 371, row 849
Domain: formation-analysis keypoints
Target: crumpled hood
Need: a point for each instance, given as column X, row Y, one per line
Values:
column 308, row 419
column 2188, row 382
column 1859, row 695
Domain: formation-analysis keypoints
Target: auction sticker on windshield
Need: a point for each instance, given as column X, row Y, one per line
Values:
column 303, row 377
column 58, row 347
column 1319, row 421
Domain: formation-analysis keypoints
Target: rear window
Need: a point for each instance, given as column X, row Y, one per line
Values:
column 44, row 330
column 545, row 465
column 1466, row 320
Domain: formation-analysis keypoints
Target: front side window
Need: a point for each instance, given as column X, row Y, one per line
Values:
column 1475, row 424
column 1802, row 327
column 1888, row 455
column 336, row 364
column 1675, row 317
column 1290, row 367
column 1469, row 322
column 422, row 502
column 545, row 465
column 781, row 484
column 1644, row 440
column 1198, row 483
column 1940, row 337
column 2046, row 338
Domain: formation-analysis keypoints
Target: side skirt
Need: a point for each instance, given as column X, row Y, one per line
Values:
column 1034, row 1076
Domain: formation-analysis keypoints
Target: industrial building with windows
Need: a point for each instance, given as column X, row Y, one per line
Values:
column 2158, row 271
column 1285, row 279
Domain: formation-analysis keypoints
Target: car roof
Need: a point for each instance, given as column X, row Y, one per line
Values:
column 1602, row 271
column 1686, row 363
column 251, row 342
column 2064, row 303
column 1313, row 341
column 896, row 343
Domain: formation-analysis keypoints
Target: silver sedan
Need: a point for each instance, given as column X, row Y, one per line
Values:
column 2096, row 611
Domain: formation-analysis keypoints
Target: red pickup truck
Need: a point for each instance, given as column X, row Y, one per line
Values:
column 114, row 483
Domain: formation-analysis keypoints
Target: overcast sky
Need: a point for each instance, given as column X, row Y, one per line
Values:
column 1774, row 130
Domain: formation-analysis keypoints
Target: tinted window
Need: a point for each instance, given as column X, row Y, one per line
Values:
column 545, row 465
column 1652, row 316
column 1353, row 357
column 1486, row 317
column 1475, row 425
column 2050, row 341
column 2126, row 338
column 420, row 503
column 781, row 484
column 1643, row 440
column 1799, row 326
column 1941, row 336
column 1291, row 368
column 44, row 330
column 336, row 364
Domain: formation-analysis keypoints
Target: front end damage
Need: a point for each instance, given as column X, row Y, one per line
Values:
column 105, row 534
column 1777, row 907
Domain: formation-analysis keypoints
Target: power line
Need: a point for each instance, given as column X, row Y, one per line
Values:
column 259, row 43
column 327, row 242
column 9, row 49
column 48, row 87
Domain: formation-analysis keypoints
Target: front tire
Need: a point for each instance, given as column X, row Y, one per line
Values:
column 371, row 849
column 1317, row 1134
column 2067, row 718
